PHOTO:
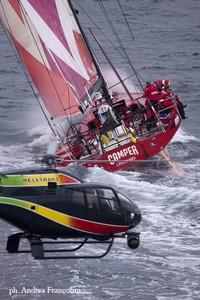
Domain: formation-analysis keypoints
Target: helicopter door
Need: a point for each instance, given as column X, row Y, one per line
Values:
column 29, row 194
column 103, row 206
column 77, row 206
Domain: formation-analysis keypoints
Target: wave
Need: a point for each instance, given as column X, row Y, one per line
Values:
column 183, row 137
column 24, row 154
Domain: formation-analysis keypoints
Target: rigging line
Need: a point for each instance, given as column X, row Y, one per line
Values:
column 119, row 40
column 111, row 24
column 113, row 28
column 39, row 51
column 133, row 38
column 68, row 89
column 15, row 51
column 70, row 108
column 69, row 116
column 17, row 55
column 116, row 48
column 98, row 76
column 115, row 32
column 87, row 44
column 114, row 69
column 136, row 73
column 126, row 78
column 99, row 30
column 70, row 8
column 112, row 66
column 82, row 33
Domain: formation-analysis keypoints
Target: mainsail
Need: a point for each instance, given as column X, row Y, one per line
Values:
column 52, row 48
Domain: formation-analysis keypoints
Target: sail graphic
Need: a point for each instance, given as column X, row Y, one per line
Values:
column 53, row 50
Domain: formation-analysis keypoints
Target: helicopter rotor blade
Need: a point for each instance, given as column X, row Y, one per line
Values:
column 105, row 160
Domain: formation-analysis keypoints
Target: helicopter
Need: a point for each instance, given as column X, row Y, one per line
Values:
column 52, row 206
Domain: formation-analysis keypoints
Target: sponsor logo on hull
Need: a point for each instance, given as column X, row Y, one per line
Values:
column 123, row 153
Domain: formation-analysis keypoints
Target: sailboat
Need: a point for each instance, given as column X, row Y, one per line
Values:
column 92, row 124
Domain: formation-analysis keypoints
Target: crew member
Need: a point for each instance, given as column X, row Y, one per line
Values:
column 162, row 84
column 151, row 93
column 170, row 97
column 179, row 104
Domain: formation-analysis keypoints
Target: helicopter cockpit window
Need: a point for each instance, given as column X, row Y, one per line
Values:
column 126, row 203
column 92, row 199
column 108, row 200
column 78, row 197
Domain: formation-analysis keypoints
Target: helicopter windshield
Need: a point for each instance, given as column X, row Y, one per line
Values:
column 127, row 204
column 132, row 212
column 103, row 199
column 108, row 200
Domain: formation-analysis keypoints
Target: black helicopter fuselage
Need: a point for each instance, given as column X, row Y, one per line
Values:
column 53, row 203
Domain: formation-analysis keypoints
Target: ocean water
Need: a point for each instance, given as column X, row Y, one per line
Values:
column 167, row 263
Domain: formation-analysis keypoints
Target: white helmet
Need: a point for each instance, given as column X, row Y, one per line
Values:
column 103, row 112
column 98, row 96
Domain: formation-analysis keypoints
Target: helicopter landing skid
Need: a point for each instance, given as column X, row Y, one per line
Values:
column 38, row 251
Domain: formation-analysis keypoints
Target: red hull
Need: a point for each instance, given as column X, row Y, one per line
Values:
column 130, row 154
column 147, row 145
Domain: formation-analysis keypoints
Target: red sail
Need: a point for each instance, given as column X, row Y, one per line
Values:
column 52, row 48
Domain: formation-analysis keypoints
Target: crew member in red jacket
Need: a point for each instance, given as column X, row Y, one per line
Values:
column 151, row 93
column 175, row 98
column 168, row 98
column 166, row 103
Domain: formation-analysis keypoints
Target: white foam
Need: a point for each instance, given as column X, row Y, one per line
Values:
column 43, row 139
column 183, row 137
column 112, row 80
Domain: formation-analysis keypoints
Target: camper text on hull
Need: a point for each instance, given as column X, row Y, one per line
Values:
column 132, row 150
